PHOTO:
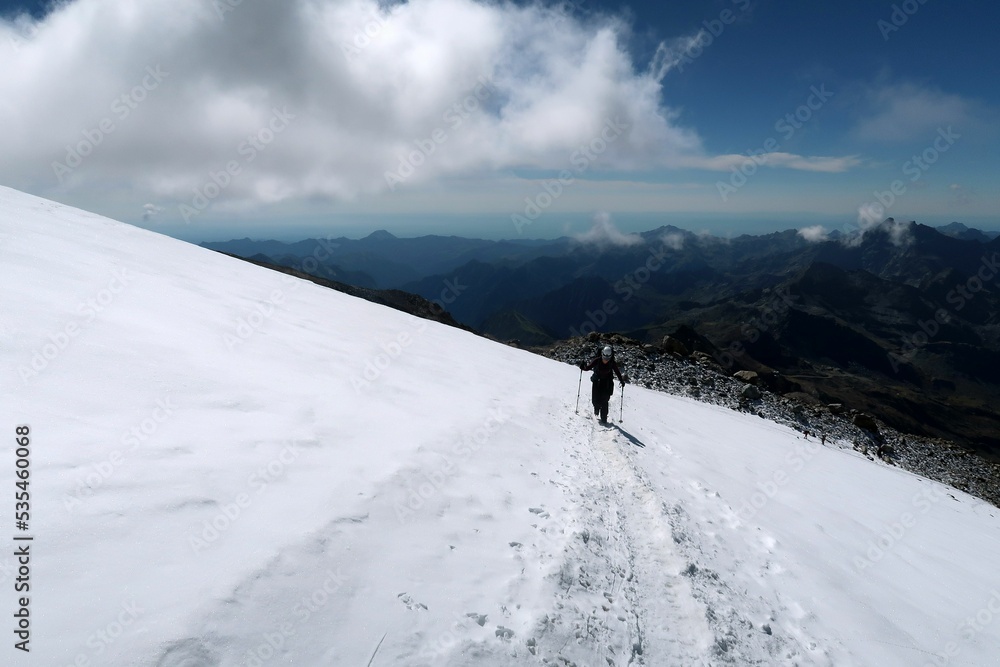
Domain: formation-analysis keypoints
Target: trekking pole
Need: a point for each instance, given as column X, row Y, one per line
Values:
column 578, row 385
column 621, row 409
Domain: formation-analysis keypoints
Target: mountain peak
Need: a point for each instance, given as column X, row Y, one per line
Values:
column 963, row 232
column 953, row 228
column 380, row 235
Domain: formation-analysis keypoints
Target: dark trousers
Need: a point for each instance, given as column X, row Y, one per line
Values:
column 600, row 394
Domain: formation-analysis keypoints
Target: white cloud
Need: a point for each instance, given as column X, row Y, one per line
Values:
column 902, row 112
column 604, row 234
column 676, row 52
column 317, row 100
column 961, row 195
column 368, row 89
column 814, row 234
column 150, row 211
column 775, row 160
column 870, row 218
column 673, row 240
column 707, row 238
column 900, row 233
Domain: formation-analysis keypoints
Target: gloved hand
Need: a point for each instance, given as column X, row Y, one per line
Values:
column 625, row 379
column 583, row 365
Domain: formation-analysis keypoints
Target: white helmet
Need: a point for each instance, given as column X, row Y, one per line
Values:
column 606, row 352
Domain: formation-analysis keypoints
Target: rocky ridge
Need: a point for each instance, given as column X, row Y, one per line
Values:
column 700, row 376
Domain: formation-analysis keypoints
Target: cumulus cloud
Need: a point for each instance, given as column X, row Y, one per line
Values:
column 604, row 234
column 814, row 234
column 162, row 95
column 242, row 102
column 870, row 218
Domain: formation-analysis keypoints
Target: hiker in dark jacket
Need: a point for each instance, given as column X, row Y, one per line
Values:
column 605, row 368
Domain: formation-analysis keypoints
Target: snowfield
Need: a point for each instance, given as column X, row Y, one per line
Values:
column 230, row 466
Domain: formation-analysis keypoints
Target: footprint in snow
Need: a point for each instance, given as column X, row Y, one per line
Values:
column 539, row 511
column 409, row 602
column 189, row 653
column 479, row 618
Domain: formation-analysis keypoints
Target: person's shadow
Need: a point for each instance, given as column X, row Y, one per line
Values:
column 628, row 436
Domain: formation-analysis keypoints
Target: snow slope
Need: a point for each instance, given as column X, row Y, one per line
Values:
column 233, row 467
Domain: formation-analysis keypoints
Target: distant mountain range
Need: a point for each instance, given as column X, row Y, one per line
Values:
column 959, row 231
column 903, row 321
column 381, row 260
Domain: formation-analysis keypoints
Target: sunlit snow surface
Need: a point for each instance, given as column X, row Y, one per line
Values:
column 233, row 467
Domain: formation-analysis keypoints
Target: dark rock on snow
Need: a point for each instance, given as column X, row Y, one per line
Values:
column 700, row 376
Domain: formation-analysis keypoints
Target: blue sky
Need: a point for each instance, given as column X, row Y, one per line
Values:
column 283, row 119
